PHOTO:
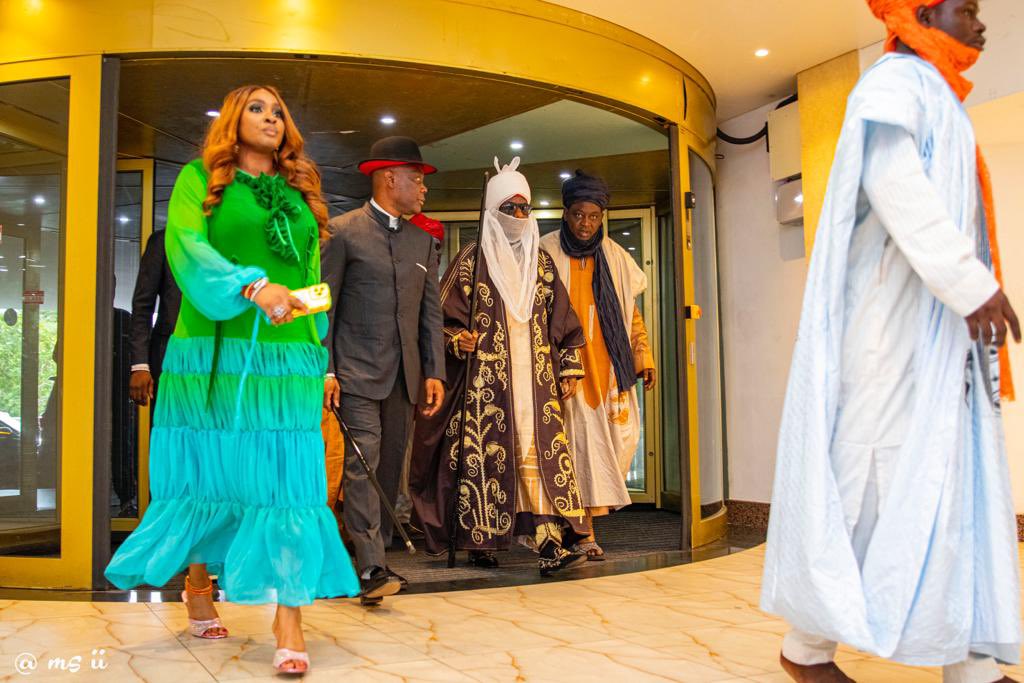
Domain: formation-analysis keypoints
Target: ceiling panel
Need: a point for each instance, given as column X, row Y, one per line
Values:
column 460, row 121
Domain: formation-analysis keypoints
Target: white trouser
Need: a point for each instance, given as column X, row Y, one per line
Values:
column 808, row 649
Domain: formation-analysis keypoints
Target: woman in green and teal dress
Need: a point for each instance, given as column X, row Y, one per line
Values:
column 236, row 453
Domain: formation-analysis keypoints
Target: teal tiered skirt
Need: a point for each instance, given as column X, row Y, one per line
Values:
column 237, row 476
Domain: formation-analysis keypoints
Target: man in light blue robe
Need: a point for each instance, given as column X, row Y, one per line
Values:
column 892, row 525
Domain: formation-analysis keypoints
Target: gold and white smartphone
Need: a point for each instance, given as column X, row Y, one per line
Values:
column 316, row 297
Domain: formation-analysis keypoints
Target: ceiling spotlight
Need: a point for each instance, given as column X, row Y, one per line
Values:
column 761, row 52
column 516, row 145
column 39, row 200
column 213, row 113
column 388, row 120
column 21, row 225
column 632, row 248
column 625, row 233
column 122, row 219
column 545, row 202
column 565, row 175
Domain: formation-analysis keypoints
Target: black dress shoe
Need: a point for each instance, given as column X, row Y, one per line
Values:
column 378, row 585
column 369, row 602
column 403, row 582
column 484, row 559
column 554, row 558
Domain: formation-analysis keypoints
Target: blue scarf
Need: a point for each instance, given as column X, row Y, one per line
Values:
column 609, row 312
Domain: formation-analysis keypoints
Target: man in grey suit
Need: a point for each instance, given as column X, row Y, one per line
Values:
column 385, row 342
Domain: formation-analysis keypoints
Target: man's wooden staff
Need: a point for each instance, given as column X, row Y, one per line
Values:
column 453, row 525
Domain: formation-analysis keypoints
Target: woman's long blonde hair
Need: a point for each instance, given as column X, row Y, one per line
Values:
column 220, row 154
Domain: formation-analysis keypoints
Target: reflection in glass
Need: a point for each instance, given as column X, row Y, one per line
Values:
column 709, row 368
column 124, row 446
column 628, row 234
column 671, row 328
column 33, row 167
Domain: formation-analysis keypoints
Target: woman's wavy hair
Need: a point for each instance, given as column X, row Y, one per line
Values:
column 220, row 154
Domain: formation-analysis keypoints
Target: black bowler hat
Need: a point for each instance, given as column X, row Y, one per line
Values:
column 396, row 150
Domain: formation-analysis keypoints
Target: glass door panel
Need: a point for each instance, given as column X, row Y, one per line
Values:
column 633, row 230
column 33, row 168
column 129, row 467
column 49, row 144
column 710, row 421
column 669, row 329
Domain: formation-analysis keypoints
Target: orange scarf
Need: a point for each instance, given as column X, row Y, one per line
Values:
column 951, row 58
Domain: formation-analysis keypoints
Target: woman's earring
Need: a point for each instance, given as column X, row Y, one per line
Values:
column 235, row 148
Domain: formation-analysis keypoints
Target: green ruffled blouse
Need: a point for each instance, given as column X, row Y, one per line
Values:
column 262, row 226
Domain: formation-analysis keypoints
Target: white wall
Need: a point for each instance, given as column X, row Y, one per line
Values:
column 762, row 276
column 996, row 74
column 997, row 125
column 762, row 272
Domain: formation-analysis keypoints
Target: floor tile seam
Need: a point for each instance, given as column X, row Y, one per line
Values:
column 709, row 654
column 545, row 648
column 718, row 622
column 91, row 615
column 392, row 641
column 480, row 650
column 167, row 626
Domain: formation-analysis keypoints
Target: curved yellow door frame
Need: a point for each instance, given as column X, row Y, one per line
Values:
column 73, row 569
column 564, row 48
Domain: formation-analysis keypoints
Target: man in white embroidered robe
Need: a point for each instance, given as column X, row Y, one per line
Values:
column 892, row 525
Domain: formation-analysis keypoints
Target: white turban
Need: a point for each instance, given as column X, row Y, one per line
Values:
column 510, row 244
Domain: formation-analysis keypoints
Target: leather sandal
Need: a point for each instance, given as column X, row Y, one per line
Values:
column 594, row 552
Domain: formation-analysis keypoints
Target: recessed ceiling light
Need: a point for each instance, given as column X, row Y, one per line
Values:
column 632, row 248
column 545, row 202
column 565, row 175
column 21, row 225
column 626, row 233
column 761, row 52
column 122, row 219
column 516, row 145
column 388, row 120
column 39, row 199
column 213, row 113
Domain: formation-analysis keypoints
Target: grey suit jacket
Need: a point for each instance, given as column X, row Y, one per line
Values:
column 386, row 312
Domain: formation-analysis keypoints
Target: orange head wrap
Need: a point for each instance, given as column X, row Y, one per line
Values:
column 951, row 58
column 947, row 54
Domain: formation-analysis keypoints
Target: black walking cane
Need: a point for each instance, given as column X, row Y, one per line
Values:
column 373, row 480
column 453, row 526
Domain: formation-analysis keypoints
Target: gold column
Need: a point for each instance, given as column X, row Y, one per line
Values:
column 823, row 90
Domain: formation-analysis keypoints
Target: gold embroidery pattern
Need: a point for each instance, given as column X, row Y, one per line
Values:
column 571, row 363
column 570, row 503
column 480, row 497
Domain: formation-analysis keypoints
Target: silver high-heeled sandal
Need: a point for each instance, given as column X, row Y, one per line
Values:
column 283, row 655
column 199, row 628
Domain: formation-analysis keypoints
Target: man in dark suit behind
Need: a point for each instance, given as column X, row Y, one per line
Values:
column 148, row 341
column 385, row 342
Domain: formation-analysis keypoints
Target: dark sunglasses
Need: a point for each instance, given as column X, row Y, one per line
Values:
column 509, row 208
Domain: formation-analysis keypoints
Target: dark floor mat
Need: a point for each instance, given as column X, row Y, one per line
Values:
column 622, row 535
column 633, row 540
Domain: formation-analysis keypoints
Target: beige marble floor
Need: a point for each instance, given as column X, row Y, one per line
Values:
column 697, row 623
